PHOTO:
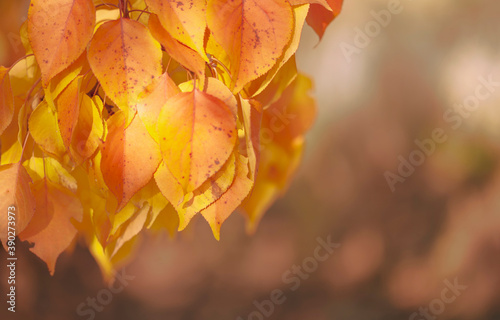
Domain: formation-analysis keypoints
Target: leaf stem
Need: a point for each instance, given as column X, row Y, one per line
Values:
column 19, row 60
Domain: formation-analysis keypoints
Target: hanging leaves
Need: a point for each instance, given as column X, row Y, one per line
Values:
column 131, row 116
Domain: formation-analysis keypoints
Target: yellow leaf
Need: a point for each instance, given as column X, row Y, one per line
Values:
column 6, row 100
column 183, row 20
column 186, row 56
column 44, row 129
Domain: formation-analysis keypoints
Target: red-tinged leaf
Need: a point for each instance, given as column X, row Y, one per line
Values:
column 197, row 135
column 126, row 59
column 59, row 31
column 68, row 108
column 254, row 34
column 186, row 56
column 183, row 20
column 319, row 17
column 6, row 100
column 153, row 99
column 15, row 192
column 324, row 3
column 221, row 209
column 51, row 229
column 130, row 157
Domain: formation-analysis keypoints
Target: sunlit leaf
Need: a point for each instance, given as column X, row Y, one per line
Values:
column 59, row 31
column 254, row 34
column 197, row 134
column 186, row 56
column 129, row 157
column 125, row 58
column 183, row 20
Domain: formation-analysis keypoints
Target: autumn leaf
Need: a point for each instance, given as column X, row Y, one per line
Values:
column 253, row 33
column 220, row 210
column 6, row 100
column 183, row 20
column 59, row 31
column 197, row 135
column 51, row 229
column 129, row 157
column 152, row 100
column 188, row 205
column 15, row 191
column 44, row 128
column 319, row 17
column 68, row 108
column 89, row 130
column 125, row 58
column 139, row 115
column 260, row 84
column 185, row 55
column 324, row 3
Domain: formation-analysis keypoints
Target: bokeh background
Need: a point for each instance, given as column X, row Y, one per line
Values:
column 398, row 249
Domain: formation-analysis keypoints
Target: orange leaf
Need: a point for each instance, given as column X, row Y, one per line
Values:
column 129, row 157
column 88, row 132
column 221, row 209
column 183, row 20
column 186, row 56
column 59, row 31
column 319, row 17
column 125, row 58
column 293, row 114
column 153, row 99
column 15, row 191
column 68, row 108
column 51, row 229
column 252, row 32
column 6, row 100
column 197, row 135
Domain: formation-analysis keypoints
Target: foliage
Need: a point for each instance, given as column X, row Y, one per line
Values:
column 134, row 115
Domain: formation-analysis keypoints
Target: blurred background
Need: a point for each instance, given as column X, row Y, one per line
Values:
column 429, row 249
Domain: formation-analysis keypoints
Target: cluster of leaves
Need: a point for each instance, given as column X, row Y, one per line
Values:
column 140, row 114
